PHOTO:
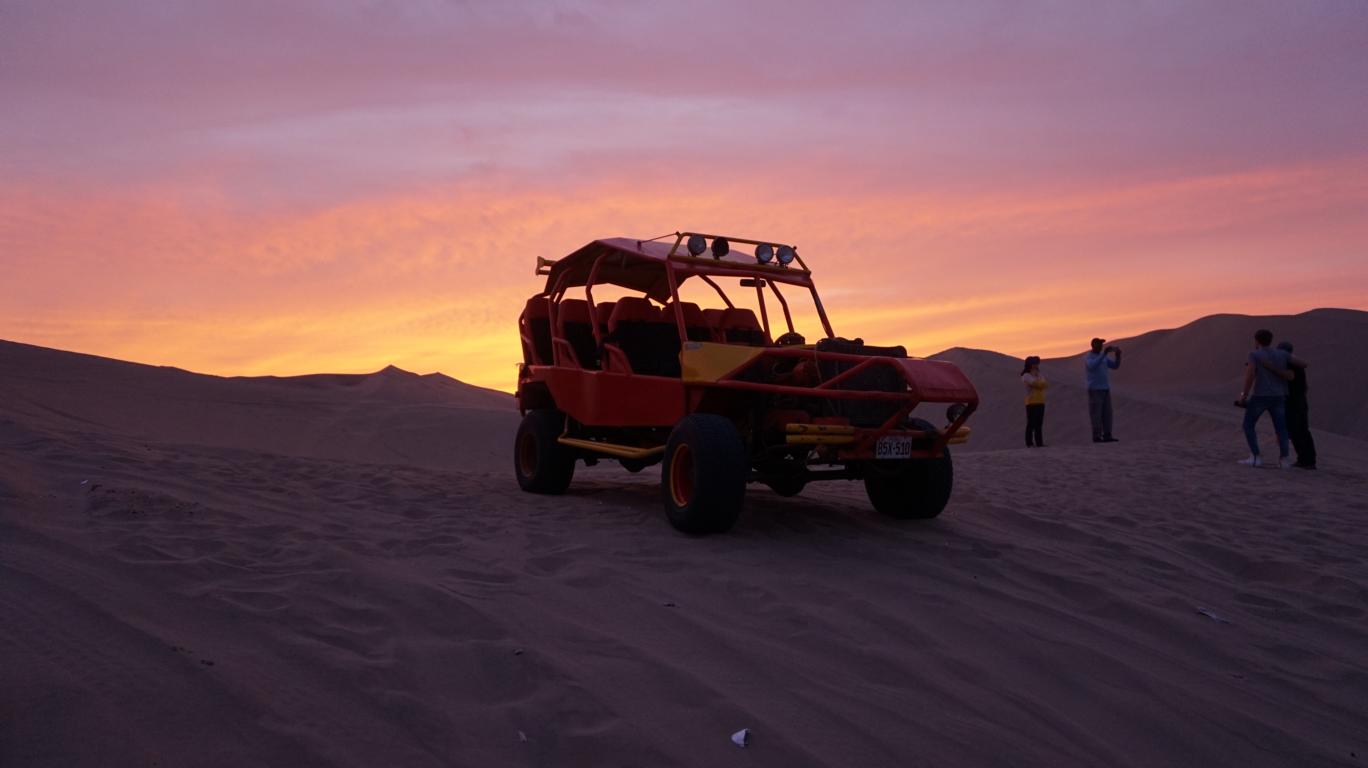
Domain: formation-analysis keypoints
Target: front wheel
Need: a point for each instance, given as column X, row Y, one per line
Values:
column 540, row 462
column 917, row 489
column 703, row 482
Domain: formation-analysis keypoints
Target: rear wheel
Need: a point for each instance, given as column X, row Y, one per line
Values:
column 542, row 464
column 703, row 482
column 915, row 490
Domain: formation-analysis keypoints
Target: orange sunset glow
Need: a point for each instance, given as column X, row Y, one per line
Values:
column 264, row 189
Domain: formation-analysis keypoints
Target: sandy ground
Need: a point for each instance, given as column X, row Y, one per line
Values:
column 311, row 601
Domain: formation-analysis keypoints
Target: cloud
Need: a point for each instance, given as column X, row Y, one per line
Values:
column 272, row 100
column 435, row 280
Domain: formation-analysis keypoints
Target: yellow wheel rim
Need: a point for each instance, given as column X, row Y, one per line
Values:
column 527, row 454
column 682, row 475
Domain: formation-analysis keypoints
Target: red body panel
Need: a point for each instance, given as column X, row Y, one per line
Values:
column 612, row 399
column 937, row 381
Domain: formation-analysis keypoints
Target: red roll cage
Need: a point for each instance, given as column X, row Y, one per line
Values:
column 636, row 265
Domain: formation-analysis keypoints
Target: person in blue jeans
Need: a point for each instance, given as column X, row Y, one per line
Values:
column 1265, row 389
column 1097, row 365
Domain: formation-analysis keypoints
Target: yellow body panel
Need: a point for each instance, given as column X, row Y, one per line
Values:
column 704, row 361
column 820, row 429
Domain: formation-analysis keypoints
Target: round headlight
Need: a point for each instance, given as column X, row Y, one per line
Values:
column 697, row 245
column 764, row 253
column 720, row 247
column 786, row 254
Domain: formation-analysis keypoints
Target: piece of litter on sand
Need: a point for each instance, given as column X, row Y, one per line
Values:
column 1211, row 615
column 517, row 651
column 522, row 737
column 671, row 605
column 83, row 482
column 741, row 738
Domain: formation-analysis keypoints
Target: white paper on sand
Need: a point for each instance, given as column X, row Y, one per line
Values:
column 741, row 738
column 1211, row 615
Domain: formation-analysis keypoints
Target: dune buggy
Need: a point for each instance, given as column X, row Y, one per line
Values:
column 713, row 394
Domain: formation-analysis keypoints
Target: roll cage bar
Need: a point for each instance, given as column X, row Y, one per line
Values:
column 679, row 265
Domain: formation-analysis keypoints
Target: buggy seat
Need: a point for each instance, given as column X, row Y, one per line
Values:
column 736, row 325
column 695, row 324
column 650, row 344
column 573, row 323
column 536, row 331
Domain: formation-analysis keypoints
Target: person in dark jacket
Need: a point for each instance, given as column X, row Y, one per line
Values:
column 1298, row 416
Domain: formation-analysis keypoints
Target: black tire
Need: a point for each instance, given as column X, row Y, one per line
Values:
column 917, row 489
column 703, row 482
column 541, row 464
column 787, row 486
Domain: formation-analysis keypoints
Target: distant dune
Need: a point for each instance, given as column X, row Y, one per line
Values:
column 339, row 570
column 387, row 416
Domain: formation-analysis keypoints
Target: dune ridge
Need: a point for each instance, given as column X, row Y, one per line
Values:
column 390, row 416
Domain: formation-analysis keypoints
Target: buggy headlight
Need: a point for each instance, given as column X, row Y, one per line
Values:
column 720, row 247
column 764, row 253
column 697, row 245
column 786, row 254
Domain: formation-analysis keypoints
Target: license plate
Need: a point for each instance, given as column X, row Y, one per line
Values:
column 893, row 447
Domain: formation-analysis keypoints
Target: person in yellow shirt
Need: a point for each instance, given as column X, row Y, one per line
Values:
column 1036, row 384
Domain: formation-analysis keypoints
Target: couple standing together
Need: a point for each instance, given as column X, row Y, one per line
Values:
column 1275, row 382
column 1097, row 366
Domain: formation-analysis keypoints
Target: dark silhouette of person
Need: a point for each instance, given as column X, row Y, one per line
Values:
column 1298, row 411
column 1036, row 384
column 1097, row 364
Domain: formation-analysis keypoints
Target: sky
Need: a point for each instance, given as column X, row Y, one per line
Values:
column 249, row 187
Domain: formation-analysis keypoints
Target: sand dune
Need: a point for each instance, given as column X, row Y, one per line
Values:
column 338, row 570
column 387, row 416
